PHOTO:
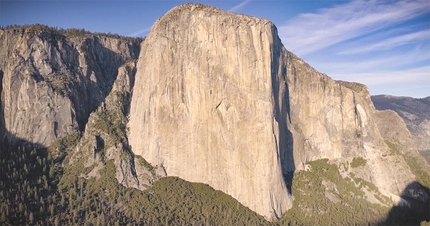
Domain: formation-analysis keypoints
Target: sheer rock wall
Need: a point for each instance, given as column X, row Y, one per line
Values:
column 205, row 108
column 51, row 83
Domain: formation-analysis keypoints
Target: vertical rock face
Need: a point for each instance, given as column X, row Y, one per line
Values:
column 51, row 83
column 209, row 104
column 336, row 120
column 328, row 119
column 219, row 100
column 394, row 131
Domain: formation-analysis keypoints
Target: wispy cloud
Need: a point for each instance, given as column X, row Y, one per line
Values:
column 239, row 6
column 410, row 59
column 391, row 42
column 140, row 32
column 311, row 32
column 420, row 75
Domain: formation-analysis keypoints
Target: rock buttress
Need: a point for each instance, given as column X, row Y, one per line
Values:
column 207, row 104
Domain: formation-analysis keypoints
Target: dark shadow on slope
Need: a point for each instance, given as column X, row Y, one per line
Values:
column 29, row 176
column 87, row 94
column 282, row 115
column 413, row 209
column 88, row 88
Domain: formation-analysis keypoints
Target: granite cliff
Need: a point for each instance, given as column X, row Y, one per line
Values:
column 60, row 85
column 204, row 119
column 52, row 82
column 209, row 96
column 219, row 100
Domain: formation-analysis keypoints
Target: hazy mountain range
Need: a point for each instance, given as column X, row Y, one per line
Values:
column 415, row 112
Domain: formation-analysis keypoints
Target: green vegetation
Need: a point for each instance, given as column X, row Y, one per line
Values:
column 37, row 188
column 58, row 148
column 61, row 84
column 422, row 176
column 357, row 162
column 28, row 185
column 347, row 205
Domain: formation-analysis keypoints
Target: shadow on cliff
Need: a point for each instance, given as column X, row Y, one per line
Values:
column 281, row 96
column 413, row 209
column 91, row 88
column 27, row 176
column 105, row 74
column 2, row 122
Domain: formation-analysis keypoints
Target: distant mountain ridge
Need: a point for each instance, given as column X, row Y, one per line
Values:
column 415, row 112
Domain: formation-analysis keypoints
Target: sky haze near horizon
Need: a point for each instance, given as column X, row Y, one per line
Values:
column 384, row 44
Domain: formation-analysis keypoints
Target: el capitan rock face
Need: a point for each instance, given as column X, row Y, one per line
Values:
column 219, row 100
column 204, row 105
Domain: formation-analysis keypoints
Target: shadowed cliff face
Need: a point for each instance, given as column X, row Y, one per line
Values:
column 414, row 207
column 1, row 107
column 282, row 112
column 51, row 83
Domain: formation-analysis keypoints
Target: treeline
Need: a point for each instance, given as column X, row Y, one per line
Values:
column 71, row 32
column 28, row 191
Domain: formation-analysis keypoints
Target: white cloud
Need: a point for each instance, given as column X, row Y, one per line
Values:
column 392, row 42
column 311, row 32
column 140, row 32
column 420, row 74
column 390, row 61
column 239, row 6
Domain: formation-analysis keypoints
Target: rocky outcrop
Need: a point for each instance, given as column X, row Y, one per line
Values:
column 51, row 82
column 105, row 138
column 414, row 112
column 394, row 131
column 207, row 105
column 336, row 120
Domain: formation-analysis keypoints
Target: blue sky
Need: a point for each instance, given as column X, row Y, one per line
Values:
column 384, row 44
